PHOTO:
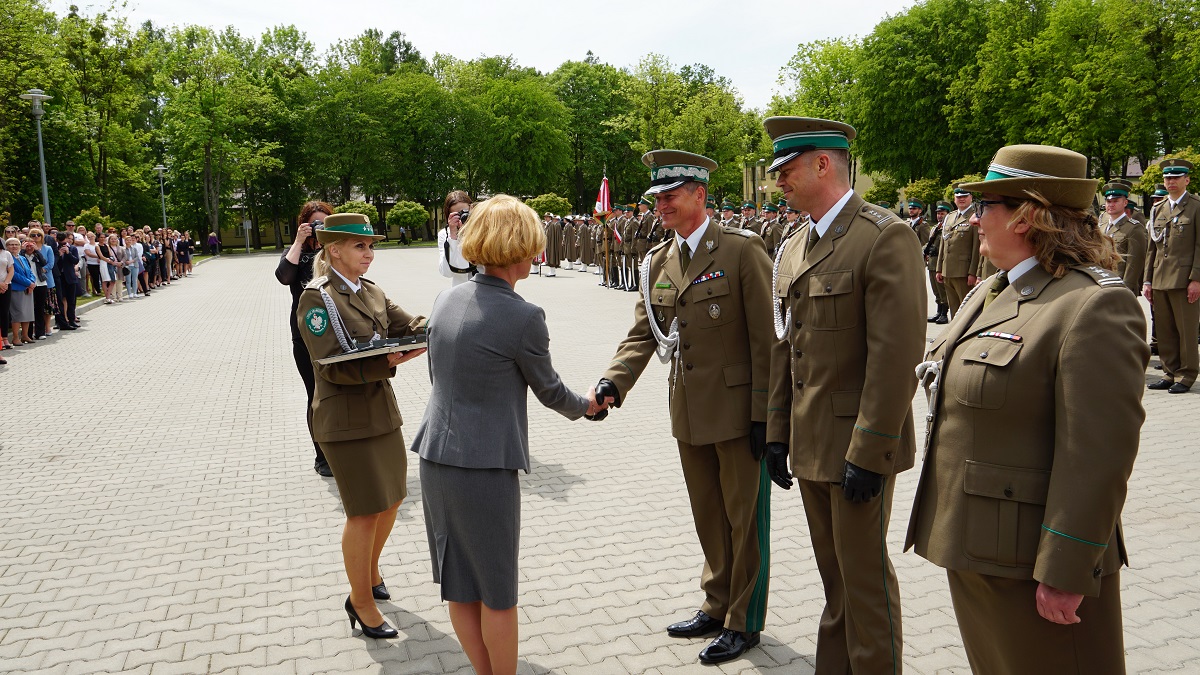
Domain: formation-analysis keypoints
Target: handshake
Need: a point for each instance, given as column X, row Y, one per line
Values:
column 599, row 398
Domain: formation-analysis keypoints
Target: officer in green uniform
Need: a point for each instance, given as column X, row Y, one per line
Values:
column 849, row 298
column 706, row 310
column 931, row 263
column 958, row 257
column 1173, row 278
column 917, row 221
column 772, row 228
column 750, row 220
column 1129, row 236
column 728, row 218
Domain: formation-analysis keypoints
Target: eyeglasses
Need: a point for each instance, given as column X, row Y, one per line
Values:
column 982, row 204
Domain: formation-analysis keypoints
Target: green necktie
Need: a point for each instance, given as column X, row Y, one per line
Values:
column 813, row 238
column 998, row 285
column 685, row 254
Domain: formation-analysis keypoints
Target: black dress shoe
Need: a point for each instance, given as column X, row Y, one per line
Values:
column 322, row 467
column 383, row 631
column 1179, row 388
column 729, row 645
column 1160, row 385
column 380, row 592
column 697, row 626
column 942, row 319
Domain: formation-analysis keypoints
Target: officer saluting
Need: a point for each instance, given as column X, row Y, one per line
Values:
column 704, row 306
column 851, row 327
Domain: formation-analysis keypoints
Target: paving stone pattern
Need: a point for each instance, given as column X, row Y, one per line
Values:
column 170, row 521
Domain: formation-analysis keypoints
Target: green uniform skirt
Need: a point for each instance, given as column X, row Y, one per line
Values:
column 370, row 472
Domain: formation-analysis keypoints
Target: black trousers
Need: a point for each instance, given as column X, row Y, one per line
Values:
column 68, row 293
column 305, row 367
column 39, row 310
column 94, row 275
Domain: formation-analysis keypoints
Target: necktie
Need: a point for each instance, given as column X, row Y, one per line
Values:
column 813, row 238
column 685, row 254
column 998, row 285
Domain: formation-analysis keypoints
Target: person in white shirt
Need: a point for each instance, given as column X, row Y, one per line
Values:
column 451, row 263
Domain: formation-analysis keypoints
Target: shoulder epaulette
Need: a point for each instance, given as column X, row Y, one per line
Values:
column 317, row 282
column 736, row 230
column 877, row 216
column 364, row 280
column 1100, row 275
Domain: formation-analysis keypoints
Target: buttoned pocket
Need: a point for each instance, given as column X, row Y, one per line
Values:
column 662, row 297
column 737, row 374
column 832, row 301
column 782, row 285
column 979, row 378
column 1005, row 507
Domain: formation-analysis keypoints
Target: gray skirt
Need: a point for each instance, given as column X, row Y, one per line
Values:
column 20, row 307
column 473, row 521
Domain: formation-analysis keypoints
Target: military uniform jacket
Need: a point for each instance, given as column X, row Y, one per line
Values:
column 353, row 399
column 645, row 223
column 842, row 378
column 1130, row 240
column 1174, row 260
column 722, row 301
column 629, row 228
column 921, row 228
column 1034, row 432
column 932, row 247
column 959, row 254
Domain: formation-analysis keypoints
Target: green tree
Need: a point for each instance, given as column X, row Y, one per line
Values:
column 551, row 203
column 926, row 190
column 407, row 214
column 524, row 146
column 819, row 80
column 948, row 191
column 1153, row 175
column 886, row 190
column 359, row 206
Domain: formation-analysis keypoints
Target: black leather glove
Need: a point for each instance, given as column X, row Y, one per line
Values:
column 606, row 388
column 861, row 485
column 758, row 440
column 598, row 417
column 777, row 465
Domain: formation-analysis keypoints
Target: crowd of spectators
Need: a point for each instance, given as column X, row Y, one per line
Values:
column 44, row 272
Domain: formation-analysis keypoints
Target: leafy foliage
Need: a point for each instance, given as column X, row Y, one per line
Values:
column 407, row 214
column 359, row 206
column 550, row 203
column 886, row 190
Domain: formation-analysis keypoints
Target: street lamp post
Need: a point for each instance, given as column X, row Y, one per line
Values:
column 761, row 175
column 161, row 194
column 36, row 96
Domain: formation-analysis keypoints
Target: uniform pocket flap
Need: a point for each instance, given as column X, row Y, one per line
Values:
column 711, row 289
column 831, row 283
column 782, row 284
column 845, row 403
column 664, row 297
column 737, row 374
column 1006, row 482
column 935, row 348
column 992, row 352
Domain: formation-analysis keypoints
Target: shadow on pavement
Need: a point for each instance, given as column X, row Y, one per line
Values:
column 549, row 481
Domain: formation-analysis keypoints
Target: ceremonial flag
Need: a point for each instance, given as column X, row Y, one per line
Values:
column 603, row 206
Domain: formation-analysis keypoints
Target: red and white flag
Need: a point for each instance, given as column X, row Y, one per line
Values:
column 603, row 206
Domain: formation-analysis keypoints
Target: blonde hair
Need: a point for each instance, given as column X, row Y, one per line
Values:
column 1063, row 237
column 321, row 264
column 502, row 231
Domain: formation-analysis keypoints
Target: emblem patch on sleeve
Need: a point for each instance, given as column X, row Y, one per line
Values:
column 317, row 321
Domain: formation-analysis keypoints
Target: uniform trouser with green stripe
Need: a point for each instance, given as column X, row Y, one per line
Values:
column 860, row 627
column 731, row 505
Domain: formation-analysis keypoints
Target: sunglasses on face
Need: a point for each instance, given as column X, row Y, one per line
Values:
column 982, row 204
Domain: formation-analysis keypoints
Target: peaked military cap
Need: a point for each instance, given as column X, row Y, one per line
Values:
column 345, row 225
column 770, row 207
column 1160, row 190
column 915, row 204
column 960, row 190
column 1121, row 181
column 944, row 206
column 646, row 200
column 727, row 207
column 793, row 136
column 749, row 205
column 1057, row 174
column 1176, row 167
column 671, row 168
column 1115, row 189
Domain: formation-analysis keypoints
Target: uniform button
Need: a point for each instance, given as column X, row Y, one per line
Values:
column 799, row 353
column 710, row 291
column 1008, row 492
column 688, row 366
column 796, row 294
column 682, row 302
column 798, row 324
column 799, row 384
column 983, row 355
column 683, row 323
column 829, row 288
column 1097, row 572
column 887, row 456
column 687, row 345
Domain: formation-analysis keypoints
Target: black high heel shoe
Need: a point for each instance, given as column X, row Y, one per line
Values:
column 380, row 592
column 383, row 631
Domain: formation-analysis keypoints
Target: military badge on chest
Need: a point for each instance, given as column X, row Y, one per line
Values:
column 714, row 311
column 317, row 321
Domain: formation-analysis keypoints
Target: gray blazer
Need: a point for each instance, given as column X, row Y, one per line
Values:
column 487, row 346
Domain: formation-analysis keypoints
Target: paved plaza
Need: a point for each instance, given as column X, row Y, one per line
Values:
column 159, row 512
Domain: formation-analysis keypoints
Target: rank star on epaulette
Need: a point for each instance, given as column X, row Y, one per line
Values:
column 709, row 277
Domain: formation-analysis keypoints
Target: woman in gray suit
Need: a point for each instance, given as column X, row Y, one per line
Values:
column 487, row 346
